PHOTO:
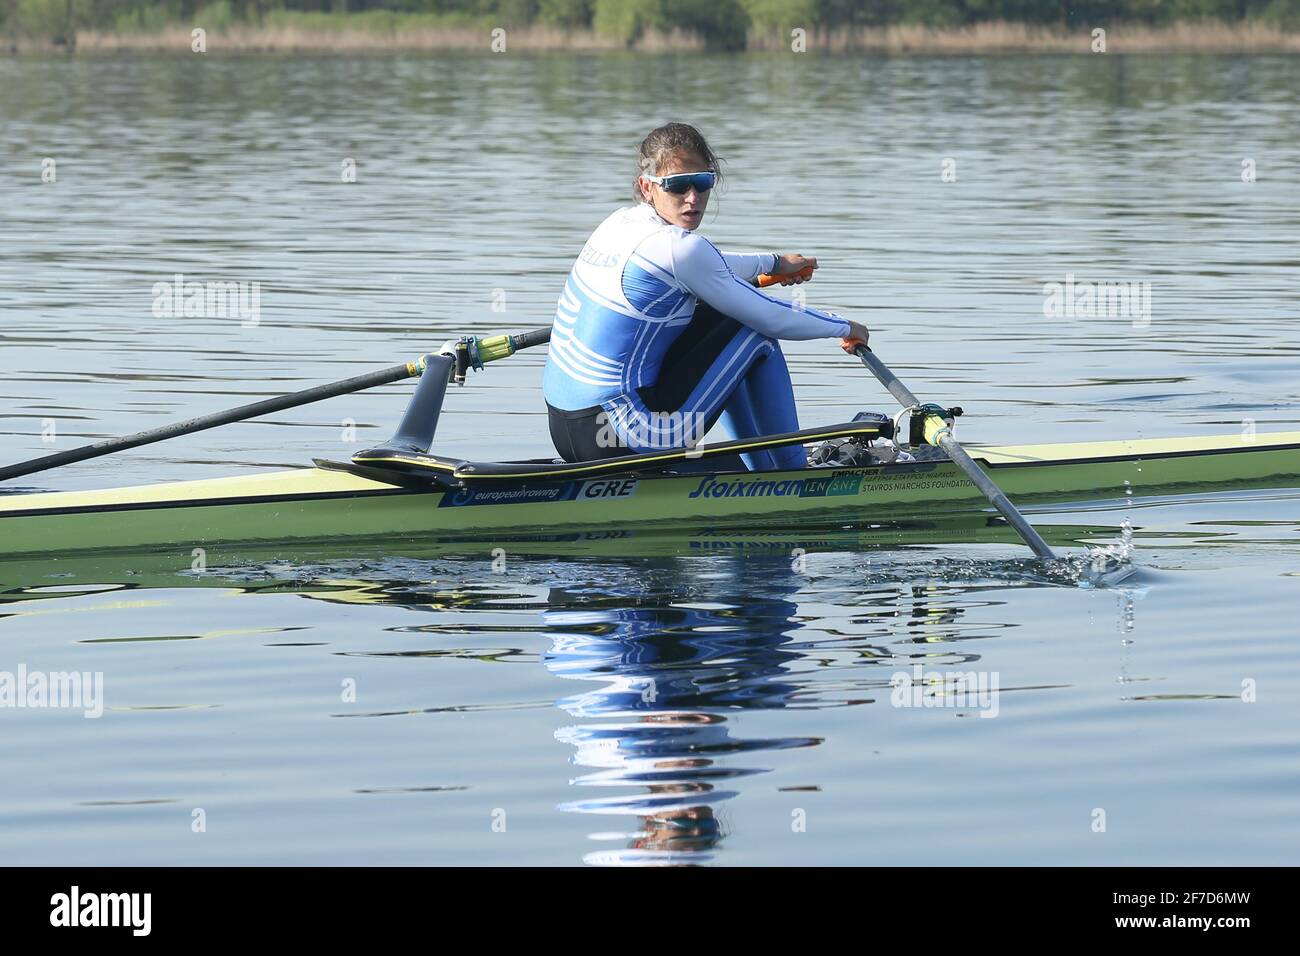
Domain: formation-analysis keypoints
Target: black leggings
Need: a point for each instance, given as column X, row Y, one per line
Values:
column 575, row 433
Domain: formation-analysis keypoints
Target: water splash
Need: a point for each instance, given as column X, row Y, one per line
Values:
column 1110, row 565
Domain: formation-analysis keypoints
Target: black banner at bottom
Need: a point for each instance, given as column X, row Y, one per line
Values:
column 334, row 905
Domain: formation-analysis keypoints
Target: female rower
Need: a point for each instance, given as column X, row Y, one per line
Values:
column 658, row 334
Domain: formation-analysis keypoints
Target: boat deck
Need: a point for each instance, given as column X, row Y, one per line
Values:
column 268, row 486
column 1130, row 448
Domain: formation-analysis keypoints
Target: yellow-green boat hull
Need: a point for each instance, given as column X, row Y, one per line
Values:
column 326, row 503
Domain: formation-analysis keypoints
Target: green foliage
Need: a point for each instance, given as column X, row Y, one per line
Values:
column 565, row 13
column 624, row 19
column 723, row 24
column 385, row 22
column 515, row 13
column 42, row 19
column 1282, row 13
column 214, row 16
column 142, row 18
column 768, row 17
column 932, row 13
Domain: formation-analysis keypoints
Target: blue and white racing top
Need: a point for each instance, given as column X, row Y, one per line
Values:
column 632, row 292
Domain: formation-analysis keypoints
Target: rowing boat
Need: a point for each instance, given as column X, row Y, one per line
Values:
column 357, row 499
column 402, row 491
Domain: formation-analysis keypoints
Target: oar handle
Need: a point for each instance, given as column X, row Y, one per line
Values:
column 526, row 340
column 492, row 348
column 767, row 278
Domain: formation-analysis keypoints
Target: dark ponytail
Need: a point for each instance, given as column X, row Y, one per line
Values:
column 662, row 143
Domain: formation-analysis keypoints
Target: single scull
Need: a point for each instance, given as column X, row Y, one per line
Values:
column 401, row 490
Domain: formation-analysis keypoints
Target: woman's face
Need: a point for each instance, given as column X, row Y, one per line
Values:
column 687, row 209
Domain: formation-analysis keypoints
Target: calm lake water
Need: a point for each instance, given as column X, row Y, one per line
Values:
column 636, row 699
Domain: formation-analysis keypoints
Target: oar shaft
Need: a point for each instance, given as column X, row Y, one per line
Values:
column 109, row 445
column 493, row 348
column 958, row 454
column 996, row 497
column 887, row 378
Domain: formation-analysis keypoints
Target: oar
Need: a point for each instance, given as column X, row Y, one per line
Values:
column 948, row 443
column 483, row 350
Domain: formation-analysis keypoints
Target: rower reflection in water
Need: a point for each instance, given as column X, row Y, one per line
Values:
column 669, row 674
column 658, row 334
column 672, row 676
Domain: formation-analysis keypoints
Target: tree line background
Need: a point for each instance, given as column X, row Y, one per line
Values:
column 722, row 23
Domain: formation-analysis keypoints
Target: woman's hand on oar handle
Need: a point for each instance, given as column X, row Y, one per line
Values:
column 858, row 335
column 791, row 269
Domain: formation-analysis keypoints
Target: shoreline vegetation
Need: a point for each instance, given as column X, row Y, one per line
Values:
column 999, row 37
column 886, row 26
